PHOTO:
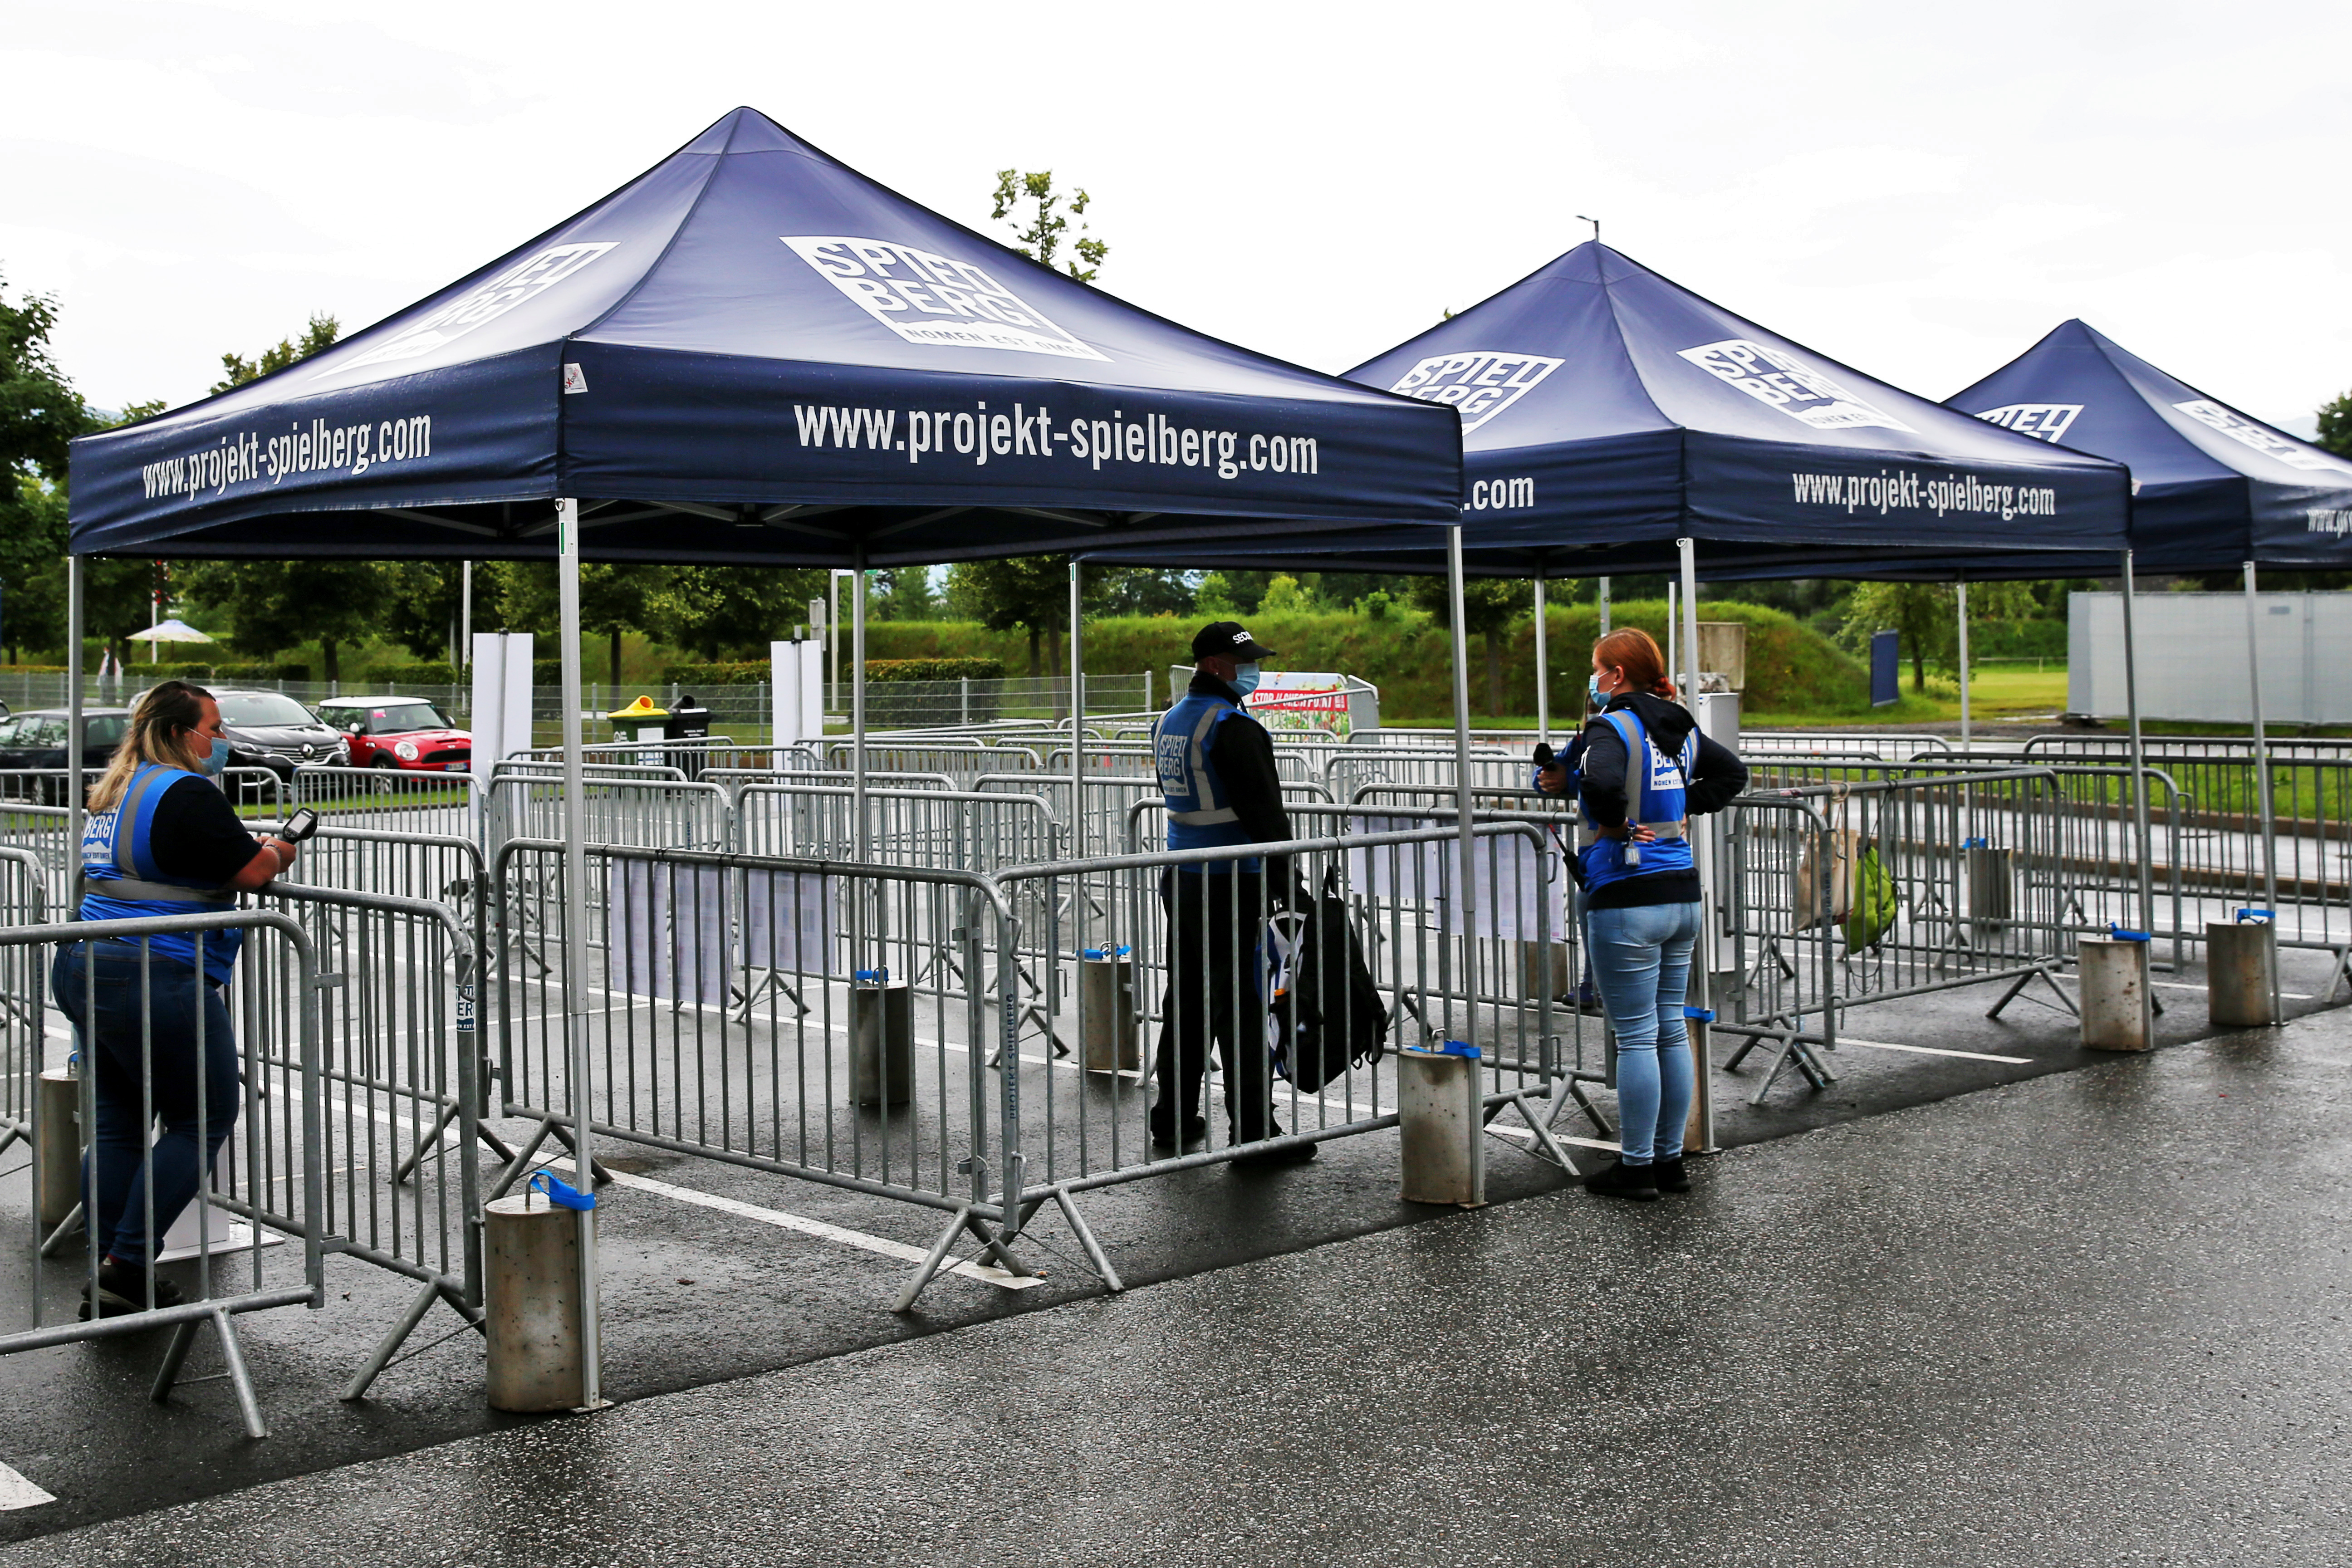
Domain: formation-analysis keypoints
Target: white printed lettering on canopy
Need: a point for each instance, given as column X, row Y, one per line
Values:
column 927, row 297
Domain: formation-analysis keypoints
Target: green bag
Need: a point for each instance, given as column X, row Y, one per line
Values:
column 1871, row 914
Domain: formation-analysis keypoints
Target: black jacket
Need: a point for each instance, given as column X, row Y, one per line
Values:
column 1244, row 759
column 1600, row 752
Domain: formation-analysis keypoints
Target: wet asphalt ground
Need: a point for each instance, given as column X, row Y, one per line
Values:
column 1948, row 1311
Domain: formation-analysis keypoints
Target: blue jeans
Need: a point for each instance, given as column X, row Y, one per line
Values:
column 1641, row 960
column 130, row 1174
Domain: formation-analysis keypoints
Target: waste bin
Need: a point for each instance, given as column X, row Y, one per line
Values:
column 690, row 721
column 642, row 720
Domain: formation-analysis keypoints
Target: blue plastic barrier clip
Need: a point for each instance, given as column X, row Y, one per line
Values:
column 1103, row 954
column 1700, row 1014
column 2120, row 934
column 871, row 976
column 2257, row 917
column 1974, row 844
column 559, row 1193
column 1459, row 1048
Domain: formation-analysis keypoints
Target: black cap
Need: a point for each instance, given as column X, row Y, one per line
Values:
column 1227, row 638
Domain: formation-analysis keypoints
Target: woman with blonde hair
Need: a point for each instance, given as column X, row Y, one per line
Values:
column 153, row 1033
column 1641, row 769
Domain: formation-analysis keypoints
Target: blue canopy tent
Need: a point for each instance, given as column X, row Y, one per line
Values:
column 1615, row 422
column 752, row 353
column 2213, row 488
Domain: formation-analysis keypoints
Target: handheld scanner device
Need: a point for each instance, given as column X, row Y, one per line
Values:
column 300, row 826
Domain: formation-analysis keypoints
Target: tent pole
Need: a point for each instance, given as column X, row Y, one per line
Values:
column 466, row 617
column 1077, row 724
column 580, row 1062
column 1702, row 970
column 2138, row 766
column 1604, row 606
column 2262, row 745
column 76, row 629
column 856, row 702
column 1467, row 910
column 1964, row 664
column 1543, row 669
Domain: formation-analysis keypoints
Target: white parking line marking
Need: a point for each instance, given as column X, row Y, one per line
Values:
column 2192, row 985
column 16, row 1492
column 815, row 1227
column 988, row 1273
column 1935, row 1051
column 1521, row 1132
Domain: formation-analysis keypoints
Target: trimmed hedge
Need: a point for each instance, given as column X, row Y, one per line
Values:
column 741, row 672
column 199, row 673
column 226, row 672
column 882, row 670
column 436, row 674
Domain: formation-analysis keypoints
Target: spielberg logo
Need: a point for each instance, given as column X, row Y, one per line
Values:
column 931, row 299
column 2261, row 437
column 483, row 303
column 1779, row 380
column 1480, row 383
column 2043, row 421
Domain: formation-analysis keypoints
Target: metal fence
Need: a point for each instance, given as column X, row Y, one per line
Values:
column 248, row 1118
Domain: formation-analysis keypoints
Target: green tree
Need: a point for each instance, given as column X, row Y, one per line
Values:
column 1231, row 594
column 1042, row 240
column 1144, row 591
column 615, row 597
column 40, row 414
column 1489, row 606
column 320, row 332
column 416, row 605
column 272, row 605
column 2335, row 426
column 1284, row 597
column 1927, row 617
column 713, row 610
column 904, row 594
column 1031, row 593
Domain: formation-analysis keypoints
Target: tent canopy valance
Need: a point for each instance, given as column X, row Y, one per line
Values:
column 752, row 353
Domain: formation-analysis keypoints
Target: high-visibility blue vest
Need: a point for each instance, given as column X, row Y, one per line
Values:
column 1184, row 748
column 121, row 881
column 1657, row 787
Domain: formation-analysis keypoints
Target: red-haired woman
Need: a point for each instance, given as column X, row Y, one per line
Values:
column 1641, row 771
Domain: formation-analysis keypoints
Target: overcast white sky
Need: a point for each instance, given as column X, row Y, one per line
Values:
column 1920, row 190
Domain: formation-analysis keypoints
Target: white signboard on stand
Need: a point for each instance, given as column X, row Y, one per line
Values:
column 797, row 692
column 501, row 722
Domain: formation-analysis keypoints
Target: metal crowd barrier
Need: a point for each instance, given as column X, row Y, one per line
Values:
column 259, row 1190
column 401, row 1083
column 1842, row 894
column 805, row 1017
column 2210, row 831
column 391, row 800
column 941, row 829
column 862, row 1025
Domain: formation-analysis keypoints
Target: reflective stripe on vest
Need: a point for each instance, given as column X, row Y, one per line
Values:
column 1198, row 816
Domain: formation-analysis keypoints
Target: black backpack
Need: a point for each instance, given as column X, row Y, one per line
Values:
column 1326, row 1013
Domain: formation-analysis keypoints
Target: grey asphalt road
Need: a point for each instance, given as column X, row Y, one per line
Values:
column 2096, row 1316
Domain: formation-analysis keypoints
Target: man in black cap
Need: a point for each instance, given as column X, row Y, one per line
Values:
column 1216, row 769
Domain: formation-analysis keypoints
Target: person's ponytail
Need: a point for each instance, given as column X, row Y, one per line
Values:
column 1635, row 652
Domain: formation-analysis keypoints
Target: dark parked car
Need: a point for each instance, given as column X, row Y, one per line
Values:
column 270, row 730
column 38, row 740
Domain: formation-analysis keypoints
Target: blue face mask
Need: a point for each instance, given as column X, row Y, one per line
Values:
column 1245, row 678
column 1593, row 686
column 215, row 760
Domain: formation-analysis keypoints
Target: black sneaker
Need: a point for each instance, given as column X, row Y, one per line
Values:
column 122, row 1290
column 1620, row 1180
column 1163, row 1131
column 1668, row 1175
